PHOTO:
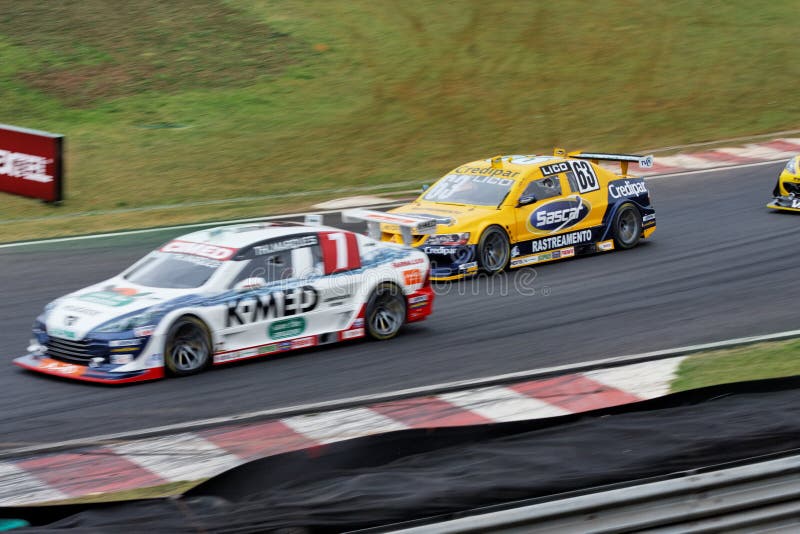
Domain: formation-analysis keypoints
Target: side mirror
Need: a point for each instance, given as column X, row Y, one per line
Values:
column 525, row 200
column 425, row 187
column 250, row 283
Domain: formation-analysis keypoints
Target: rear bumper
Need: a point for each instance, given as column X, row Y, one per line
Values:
column 419, row 304
column 49, row 366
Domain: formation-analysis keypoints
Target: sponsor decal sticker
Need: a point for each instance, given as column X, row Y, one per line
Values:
column 121, row 359
column 124, row 342
column 304, row 342
column 275, row 304
column 488, row 172
column 467, row 266
column 286, row 244
column 155, row 360
column 59, row 367
column 212, row 252
column 354, row 333
column 441, row 250
column 567, row 252
column 287, row 328
column 605, row 245
column 515, row 251
column 557, row 215
column 358, row 323
column 627, row 188
column 649, row 217
column 144, row 331
column 796, row 202
column 560, row 241
column 408, row 263
column 526, row 260
column 60, row 332
column 113, row 296
column 412, row 277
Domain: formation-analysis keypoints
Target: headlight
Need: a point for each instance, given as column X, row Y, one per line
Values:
column 448, row 239
column 791, row 166
column 130, row 322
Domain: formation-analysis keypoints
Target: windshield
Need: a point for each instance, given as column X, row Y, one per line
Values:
column 469, row 189
column 175, row 271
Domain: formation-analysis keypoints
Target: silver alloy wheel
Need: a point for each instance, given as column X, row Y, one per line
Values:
column 627, row 226
column 388, row 315
column 494, row 251
column 189, row 349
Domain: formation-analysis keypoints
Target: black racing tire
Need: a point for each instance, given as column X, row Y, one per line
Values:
column 386, row 311
column 627, row 226
column 494, row 250
column 188, row 348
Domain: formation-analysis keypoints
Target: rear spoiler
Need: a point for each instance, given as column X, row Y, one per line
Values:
column 645, row 162
column 409, row 224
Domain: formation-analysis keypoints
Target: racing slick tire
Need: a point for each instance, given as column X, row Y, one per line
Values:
column 386, row 311
column 187, row 350
column 494, row 250
column 627, row 226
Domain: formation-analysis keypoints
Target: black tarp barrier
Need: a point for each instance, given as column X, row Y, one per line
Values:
column 407, row 475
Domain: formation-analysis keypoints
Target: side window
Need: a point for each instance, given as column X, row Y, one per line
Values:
column 547, row 187
column 271, row 267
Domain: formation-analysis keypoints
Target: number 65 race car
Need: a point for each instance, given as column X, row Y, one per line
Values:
column 523, row 210
column 228, row 294
column 787, row 190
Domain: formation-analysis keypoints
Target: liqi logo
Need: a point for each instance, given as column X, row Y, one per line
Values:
column 558, row 215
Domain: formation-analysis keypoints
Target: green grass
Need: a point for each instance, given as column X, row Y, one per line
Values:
column 170, row 102
column 752, row 362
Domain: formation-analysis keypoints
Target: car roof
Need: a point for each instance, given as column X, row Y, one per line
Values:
column 514, row 167
column 241, row 235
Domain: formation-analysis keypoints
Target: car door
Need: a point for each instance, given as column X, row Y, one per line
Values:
column 341, row 281
column 552, row 214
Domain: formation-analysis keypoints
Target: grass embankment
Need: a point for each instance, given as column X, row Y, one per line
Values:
column 752, row 362
column 184, row 101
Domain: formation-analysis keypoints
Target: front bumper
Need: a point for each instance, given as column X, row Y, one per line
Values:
column 451, row 263
column 785, row 203
column 103, row 374
column 419, row 304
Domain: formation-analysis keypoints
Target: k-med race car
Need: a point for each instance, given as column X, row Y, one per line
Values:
column 228, row 294
column 523, row 210
column 787, row 190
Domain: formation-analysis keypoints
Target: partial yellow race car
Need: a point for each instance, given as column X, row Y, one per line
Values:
column 512, row 211
column 787, row 190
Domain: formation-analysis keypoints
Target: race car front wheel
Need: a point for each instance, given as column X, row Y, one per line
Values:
column 493, row 250
column 386, row 311
column 627, row 226
column 188, row 347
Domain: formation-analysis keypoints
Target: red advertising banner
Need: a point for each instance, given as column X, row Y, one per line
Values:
column 31, row 163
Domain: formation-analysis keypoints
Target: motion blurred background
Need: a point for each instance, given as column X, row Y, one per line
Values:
column 222, row 106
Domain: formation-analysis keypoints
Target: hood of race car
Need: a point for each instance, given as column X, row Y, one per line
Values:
column 75, row 315
column 450, row 218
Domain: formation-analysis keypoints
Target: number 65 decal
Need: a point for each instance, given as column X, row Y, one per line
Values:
column 339, row 251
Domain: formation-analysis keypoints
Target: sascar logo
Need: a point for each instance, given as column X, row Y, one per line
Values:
column 558, row 215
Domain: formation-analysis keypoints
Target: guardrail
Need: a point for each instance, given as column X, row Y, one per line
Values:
column 759, row 495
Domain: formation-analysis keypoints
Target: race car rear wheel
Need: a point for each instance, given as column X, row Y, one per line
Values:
column 386, row 311
column 627, row 226
column 493, row 250
column 188, row 347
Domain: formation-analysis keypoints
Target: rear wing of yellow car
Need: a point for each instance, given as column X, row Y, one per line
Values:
column 408, row 224
column 645, row 162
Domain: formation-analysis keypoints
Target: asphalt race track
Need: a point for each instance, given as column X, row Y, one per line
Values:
column 720, row 265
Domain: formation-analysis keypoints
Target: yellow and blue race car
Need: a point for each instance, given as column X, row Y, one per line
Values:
column 787, row 190
column 511, row 211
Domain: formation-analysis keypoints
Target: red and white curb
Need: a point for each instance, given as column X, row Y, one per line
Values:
column 196, row 455
column 776, row 149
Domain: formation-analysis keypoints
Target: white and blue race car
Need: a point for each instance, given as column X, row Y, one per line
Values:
column 228, row 294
